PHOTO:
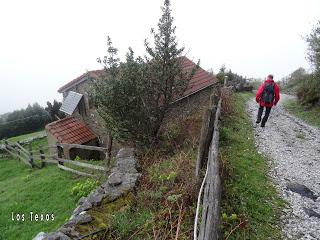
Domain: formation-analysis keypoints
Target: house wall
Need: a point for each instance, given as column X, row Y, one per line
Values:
column 189, row 105
column 51, row 142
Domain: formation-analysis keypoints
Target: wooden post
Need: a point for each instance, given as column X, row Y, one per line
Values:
column 16, row 148
column 225, row 81
column 42, row 157
column 6, row 144
column 31, row 160
column 108, row 152
column 206, row 133
column 205, row 139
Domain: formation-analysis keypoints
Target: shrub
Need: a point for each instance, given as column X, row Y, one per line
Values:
column 308, row 91
column 82, row 189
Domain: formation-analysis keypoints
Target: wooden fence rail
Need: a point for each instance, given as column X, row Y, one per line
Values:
column 29, row 156
column 75, row 171
column 82, row 164
column 86, row 147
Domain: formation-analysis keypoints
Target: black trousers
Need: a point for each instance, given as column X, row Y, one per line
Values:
column 266, row 115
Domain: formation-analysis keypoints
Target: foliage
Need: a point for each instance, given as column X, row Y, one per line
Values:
column 23, row 121
column 135, row 94
column 82, row 189
column 53, row 110
column 167, row 190
column 291, row 82
column 233, row 79
column 222, row 74
column 304, row 85
column 308, row 91
column 313, row 40
column 250, row 204
column 310, row 115
column 125, row 221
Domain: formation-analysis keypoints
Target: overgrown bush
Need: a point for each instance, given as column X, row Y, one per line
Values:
column 308, row 91
column 82, row 189
column 135, row 95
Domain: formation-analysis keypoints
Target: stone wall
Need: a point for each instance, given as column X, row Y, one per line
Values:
column 121, row 181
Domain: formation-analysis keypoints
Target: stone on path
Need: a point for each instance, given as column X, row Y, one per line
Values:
column 302, row 190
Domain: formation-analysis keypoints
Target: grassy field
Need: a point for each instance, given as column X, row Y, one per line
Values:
column 311, row 116
column 41, row 191
column 250, row 203
column 26, row 136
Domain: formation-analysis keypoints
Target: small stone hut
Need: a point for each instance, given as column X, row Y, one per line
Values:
column 71, row 131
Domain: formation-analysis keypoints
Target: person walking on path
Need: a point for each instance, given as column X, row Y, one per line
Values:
column 268, row 95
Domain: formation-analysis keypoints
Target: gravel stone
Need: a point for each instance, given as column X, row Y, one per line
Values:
column 292, row 149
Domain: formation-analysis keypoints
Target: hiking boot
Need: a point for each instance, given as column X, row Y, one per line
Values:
column 258, row 121
column 263, row 125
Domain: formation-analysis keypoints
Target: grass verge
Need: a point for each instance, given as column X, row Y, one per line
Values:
column 310, row 116
column 250, row 204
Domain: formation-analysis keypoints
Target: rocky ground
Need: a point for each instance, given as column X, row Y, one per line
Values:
column 293, row 150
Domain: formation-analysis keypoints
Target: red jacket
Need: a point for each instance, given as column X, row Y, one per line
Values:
column 276, row 94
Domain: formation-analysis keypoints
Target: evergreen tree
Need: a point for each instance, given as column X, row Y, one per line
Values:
column 135, row 95
column 313, row 40
column 165, row 72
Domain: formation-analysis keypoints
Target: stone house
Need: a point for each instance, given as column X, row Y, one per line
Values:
column 198, row 91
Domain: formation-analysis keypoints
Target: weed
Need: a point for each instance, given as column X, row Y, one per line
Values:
column 125, row 221
column 300, row 135
column 82, row 189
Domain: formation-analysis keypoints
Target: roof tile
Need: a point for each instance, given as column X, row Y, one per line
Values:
column 70, row 130
column 200, row 80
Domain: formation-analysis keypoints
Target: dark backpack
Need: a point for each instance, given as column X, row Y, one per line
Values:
column 268, row 93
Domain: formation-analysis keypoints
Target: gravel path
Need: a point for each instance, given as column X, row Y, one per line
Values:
column 293, row 150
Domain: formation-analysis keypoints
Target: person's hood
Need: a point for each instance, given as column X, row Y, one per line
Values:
column 269, row 80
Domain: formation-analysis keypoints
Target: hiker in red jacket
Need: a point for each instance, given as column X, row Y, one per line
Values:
column 268, row 95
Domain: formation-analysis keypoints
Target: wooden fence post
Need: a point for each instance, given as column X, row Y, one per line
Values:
column 17, row 149
column 108, row 152
column 31, row 160
column 42, row 157
column 206, row 133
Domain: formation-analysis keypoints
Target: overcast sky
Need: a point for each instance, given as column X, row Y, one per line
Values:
column 45, row 44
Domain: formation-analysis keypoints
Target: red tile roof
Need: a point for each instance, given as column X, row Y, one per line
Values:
column 90, row 74
column 200, row 80
column 71, row 131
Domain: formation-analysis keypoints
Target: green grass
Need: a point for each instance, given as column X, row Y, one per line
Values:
column 46, row 190
column 26, row 136
column 310, row 116
column 248, row 195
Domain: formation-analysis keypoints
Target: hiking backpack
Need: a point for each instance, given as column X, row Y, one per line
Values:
column 268, row 93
